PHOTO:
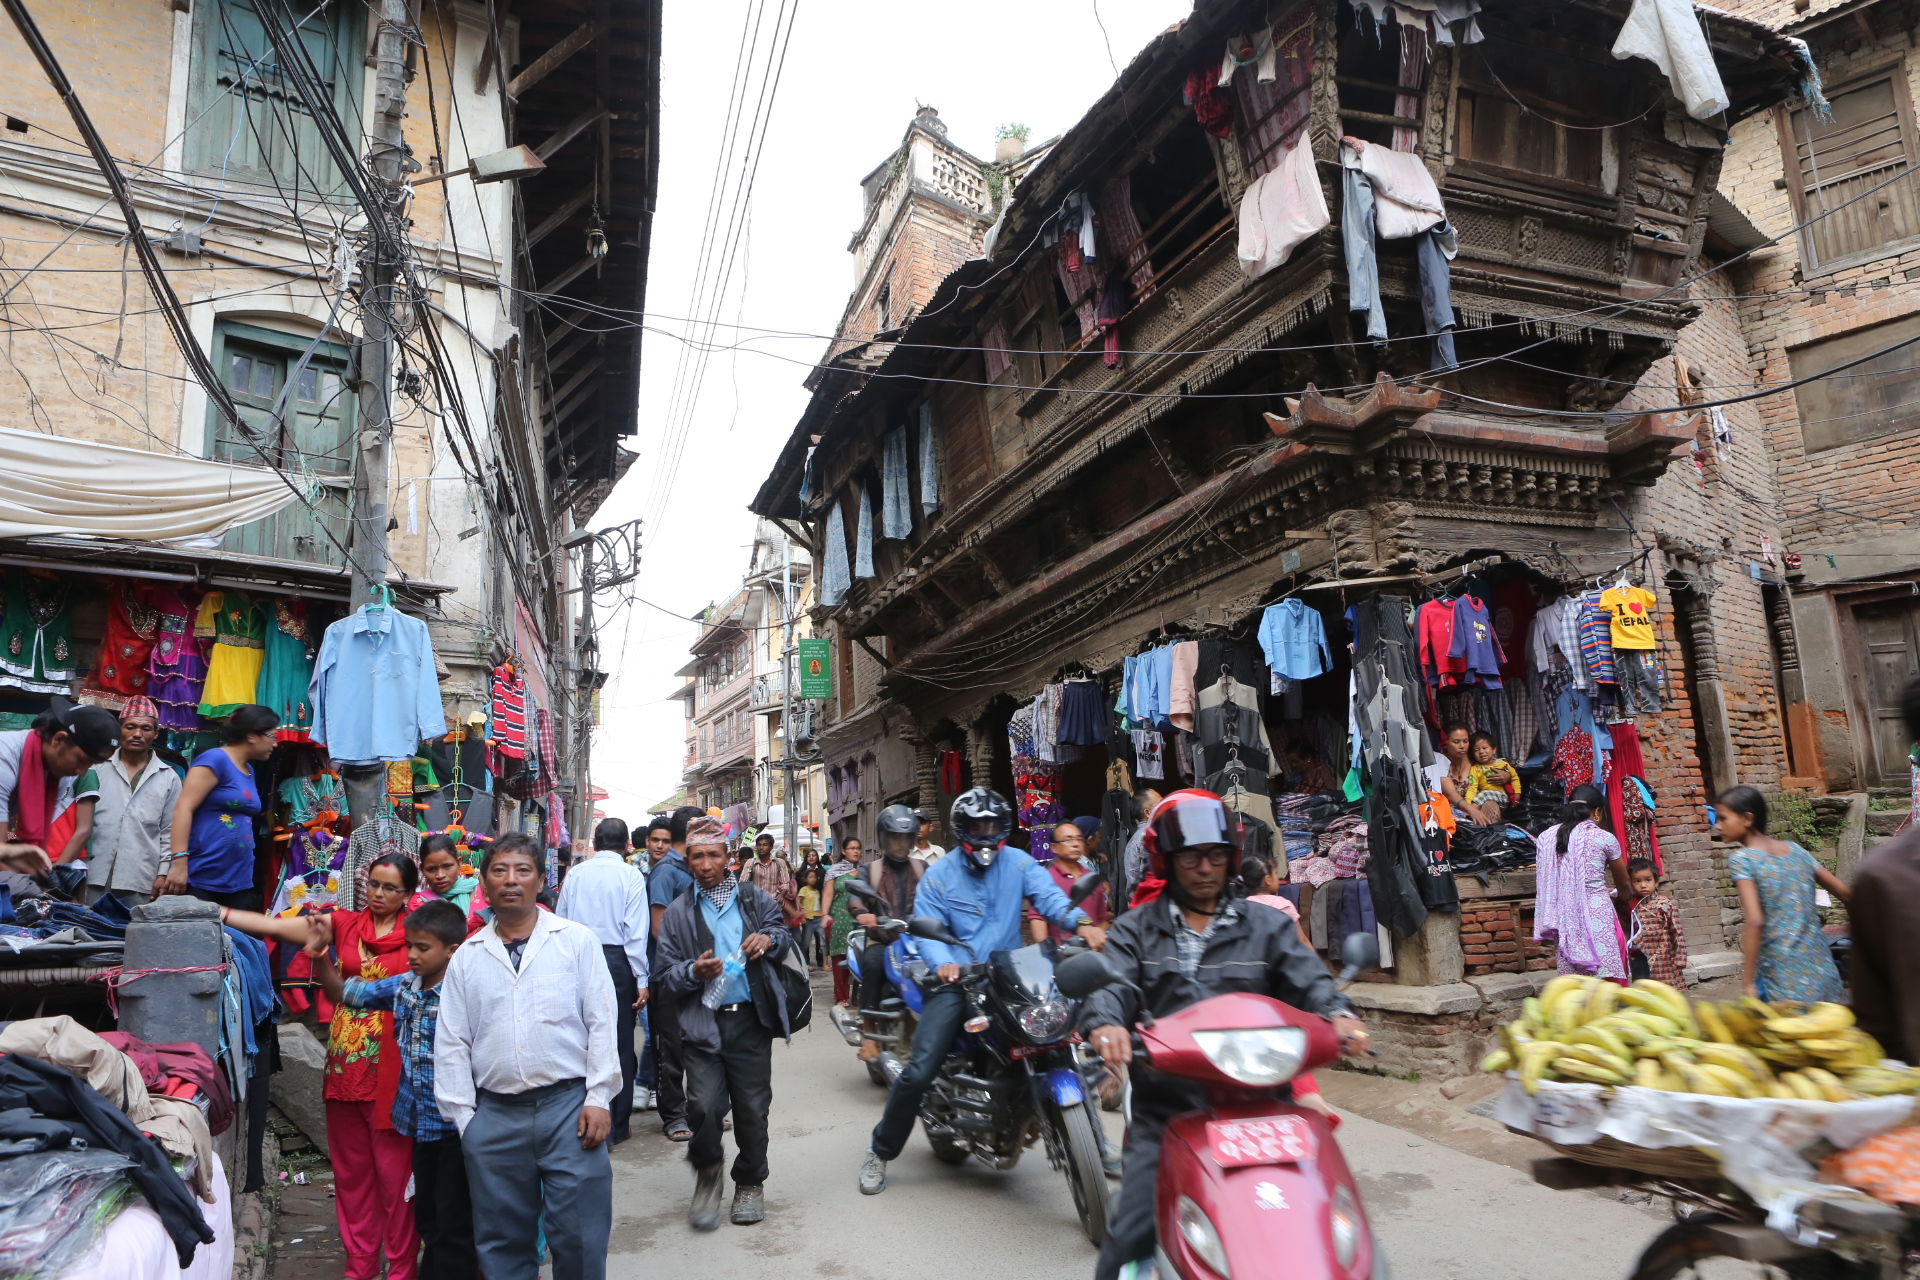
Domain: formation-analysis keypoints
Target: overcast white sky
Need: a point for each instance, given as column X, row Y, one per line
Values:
column 853, row 75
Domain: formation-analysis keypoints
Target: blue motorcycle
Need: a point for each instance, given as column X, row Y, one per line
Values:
column 896, row 1016
column 1015, row 1074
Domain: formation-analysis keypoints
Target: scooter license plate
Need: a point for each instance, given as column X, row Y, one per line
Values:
column 1268, row 1140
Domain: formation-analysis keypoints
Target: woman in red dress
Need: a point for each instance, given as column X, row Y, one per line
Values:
column 372, row 1161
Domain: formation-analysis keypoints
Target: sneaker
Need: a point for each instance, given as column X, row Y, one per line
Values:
column 749, row 1204
column 642, row 1098
column 705, row 1213
column 873, row 1174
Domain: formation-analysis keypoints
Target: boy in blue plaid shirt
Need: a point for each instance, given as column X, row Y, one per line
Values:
column 442, row 1208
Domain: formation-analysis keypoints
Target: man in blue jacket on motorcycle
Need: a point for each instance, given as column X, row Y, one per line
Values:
column 1197, row 939
column 977, row 892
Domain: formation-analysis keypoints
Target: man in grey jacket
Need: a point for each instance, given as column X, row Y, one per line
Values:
column 731, row 934
column 1194, row 941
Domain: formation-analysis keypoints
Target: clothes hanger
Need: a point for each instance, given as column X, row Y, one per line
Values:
column 382, row 598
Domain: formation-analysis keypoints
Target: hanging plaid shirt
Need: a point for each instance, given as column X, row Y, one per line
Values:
column 416, row 1016
column 543, row 738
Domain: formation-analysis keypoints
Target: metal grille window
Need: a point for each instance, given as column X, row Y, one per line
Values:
column 1834, row 167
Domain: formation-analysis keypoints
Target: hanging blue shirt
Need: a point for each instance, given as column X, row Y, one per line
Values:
column 1294, row 640
column 1163, row 688
column 375, row 692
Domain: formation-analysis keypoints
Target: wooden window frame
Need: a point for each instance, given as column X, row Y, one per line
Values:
column 1894, row 71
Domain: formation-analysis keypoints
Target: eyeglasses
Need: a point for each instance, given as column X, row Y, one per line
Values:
column 1189, row 859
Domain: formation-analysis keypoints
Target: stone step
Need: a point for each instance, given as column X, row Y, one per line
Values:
column 1886, row 822
column 1713, row 964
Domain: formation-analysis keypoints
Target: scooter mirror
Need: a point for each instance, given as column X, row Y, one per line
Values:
column 1359, row 951
column 935, row 930
column 1083, row 887
column 1080, row 976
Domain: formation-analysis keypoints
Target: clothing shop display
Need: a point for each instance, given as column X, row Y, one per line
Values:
column 291, row 643
column 36, row 635
column 175, row 668
column 236, row 629
column 1596, row 638
column 1183, row 667
column 1083, row 716
column 376, row 691
column 1294, row 640
column 1631, row 611
column 1474, row 643
column 132, row 626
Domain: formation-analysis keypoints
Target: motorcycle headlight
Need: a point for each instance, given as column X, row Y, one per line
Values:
column 1344, row 1216
column 1046, row 1021
column 1258, row 1056
column 1197, row 1229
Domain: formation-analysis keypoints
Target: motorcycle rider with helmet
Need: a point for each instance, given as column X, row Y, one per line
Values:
column 895, row 877
column 976, row 891
column 1194, row 941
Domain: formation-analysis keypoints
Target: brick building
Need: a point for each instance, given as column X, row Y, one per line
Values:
column 1120, row 468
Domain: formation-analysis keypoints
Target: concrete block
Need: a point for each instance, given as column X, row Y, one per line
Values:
column 1853, row 833
column 1496, row 988
column 298, row 1084
column 1432, row 1002
column 1434, row 956
column 1714, row 964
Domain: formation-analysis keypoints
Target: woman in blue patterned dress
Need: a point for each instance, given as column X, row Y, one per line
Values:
column 1787, row 957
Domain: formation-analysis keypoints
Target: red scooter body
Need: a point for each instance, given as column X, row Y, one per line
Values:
column 1268, row 1175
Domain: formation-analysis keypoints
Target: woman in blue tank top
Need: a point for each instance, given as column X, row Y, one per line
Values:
column 213, row 819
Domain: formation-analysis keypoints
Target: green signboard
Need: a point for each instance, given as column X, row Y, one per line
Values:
column 816, row 669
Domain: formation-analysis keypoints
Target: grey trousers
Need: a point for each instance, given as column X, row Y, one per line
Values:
column 523, row 1154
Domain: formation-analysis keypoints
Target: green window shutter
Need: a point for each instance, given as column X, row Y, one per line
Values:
column 246, row 122
column 310, row 439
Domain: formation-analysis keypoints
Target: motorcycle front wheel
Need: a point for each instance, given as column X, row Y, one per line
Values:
column 1690, row 1242
column 1086, row 1176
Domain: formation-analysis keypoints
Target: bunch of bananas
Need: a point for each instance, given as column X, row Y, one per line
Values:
column 1595, row 1031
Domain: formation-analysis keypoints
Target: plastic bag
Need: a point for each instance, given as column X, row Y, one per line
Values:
column 54, row 1205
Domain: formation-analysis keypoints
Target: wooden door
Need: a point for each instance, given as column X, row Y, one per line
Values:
column 1890, row 641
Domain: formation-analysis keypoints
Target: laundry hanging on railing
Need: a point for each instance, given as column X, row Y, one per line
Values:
column 863, row 537
column 1446, row 17
column 929, row 483
column 834, row 575
column 1668, row 34
column 1390, row 195
column 896, row 515
column 1281, row 210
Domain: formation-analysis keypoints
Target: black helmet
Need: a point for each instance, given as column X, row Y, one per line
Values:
column 982, row 820
column 898, row 822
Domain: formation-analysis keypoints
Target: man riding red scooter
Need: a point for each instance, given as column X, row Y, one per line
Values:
column 1195, row 942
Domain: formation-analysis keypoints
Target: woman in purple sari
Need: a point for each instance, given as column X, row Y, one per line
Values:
column 1575, row 860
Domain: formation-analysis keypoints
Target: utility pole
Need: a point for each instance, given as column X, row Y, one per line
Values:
column 586, row 652
column 791, row 811
column 379, row 277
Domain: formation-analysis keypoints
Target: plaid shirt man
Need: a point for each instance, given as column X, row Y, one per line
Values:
column 1192, row 945
column 416, row 1016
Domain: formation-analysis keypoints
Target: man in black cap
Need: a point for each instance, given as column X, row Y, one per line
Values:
column 38, row 766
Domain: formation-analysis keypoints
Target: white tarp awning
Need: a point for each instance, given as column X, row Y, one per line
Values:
column 56, row 485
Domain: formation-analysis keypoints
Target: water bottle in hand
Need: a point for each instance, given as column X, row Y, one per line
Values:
column 733, row 967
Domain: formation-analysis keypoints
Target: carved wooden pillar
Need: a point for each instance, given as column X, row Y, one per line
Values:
column 979, row 753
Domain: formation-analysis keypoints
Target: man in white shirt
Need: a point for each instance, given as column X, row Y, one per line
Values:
column 610, row 897
column 133, row 816
column 924, row 848
column 525, row 1067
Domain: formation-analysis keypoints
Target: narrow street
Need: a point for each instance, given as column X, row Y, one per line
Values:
column 1442, row 1213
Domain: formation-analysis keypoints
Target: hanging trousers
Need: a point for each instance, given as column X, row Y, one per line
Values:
column 371, row 1168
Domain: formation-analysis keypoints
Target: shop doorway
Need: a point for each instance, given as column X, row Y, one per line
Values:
column 1890, row 641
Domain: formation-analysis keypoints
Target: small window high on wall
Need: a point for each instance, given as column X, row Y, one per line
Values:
column 1872, row 399
column 1841, row 169
column 246, row 119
